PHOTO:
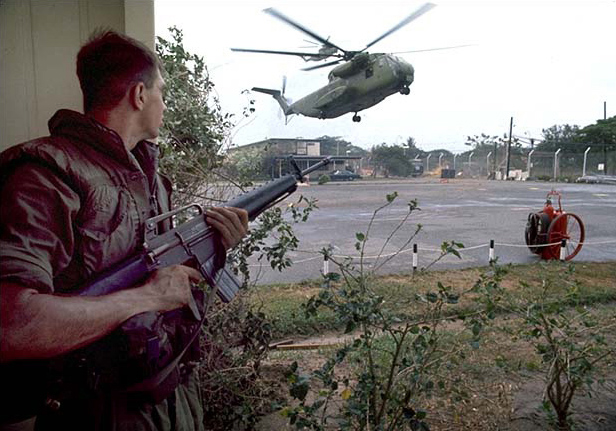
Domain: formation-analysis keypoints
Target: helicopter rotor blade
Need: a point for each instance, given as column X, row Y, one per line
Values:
column 311, row 42
column 331, row 63
column 273, row 12
column 419, row 12
column 268, row 51
column 432, row 49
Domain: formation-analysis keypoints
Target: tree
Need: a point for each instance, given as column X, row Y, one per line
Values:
column 391, row 160
column 193, row 138
column 603, row 133
column 484, row 144
column 601, row 137
column 195, row 128
column 336, row 146
column 556, row 135
column 411, row 144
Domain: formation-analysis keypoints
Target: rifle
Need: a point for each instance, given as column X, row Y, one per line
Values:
column 194, row 241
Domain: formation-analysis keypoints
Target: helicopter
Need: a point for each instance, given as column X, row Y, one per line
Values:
column 359, row 80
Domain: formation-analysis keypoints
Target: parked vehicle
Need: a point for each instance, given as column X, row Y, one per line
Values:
column 418, row 168
column 343, row 175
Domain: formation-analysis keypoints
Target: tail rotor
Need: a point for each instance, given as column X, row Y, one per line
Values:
column 282, row 92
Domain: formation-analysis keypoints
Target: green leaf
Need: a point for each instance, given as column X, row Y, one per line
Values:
column 476, row 329
column 391, row 197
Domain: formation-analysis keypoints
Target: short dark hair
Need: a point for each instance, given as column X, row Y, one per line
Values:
column 108, row 64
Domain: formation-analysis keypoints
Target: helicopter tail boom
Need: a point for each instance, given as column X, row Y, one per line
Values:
column 276, row 94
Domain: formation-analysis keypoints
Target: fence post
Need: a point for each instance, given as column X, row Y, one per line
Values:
column 584, row 167
column 414, row 257
column 488, row 164
column 563, row 249
column 491, row 254
column 556, row 162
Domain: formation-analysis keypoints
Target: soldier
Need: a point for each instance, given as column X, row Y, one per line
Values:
column 74, row 204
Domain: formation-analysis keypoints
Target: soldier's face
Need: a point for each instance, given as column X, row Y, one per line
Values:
column 154, row 107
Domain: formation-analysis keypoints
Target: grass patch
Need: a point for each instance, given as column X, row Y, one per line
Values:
column 483, row 383
column 283, row 303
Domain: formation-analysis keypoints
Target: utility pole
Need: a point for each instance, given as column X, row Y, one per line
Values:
column 494, row 160
column 509, row 148
column 604, row 144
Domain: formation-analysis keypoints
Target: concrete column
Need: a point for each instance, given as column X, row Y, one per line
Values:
column 39, row 41
column 139, row 21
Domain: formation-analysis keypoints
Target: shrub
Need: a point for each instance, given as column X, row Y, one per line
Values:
column 394, row 362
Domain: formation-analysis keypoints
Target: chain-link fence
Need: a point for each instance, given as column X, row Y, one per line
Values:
column 564, row 164
column 561, row 164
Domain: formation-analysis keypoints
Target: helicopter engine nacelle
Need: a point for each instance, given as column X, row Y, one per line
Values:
column 350, row 68
column 344, row 70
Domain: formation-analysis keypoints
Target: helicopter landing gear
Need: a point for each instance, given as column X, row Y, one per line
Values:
column 356, row 118
column 405, row 90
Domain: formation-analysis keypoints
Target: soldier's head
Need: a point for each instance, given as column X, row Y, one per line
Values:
column 109, row 64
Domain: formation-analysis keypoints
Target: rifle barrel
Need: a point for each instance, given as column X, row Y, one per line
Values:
column 261, row 198
column 316, row 166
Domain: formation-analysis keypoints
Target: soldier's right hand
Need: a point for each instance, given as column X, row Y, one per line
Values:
column 169, row 287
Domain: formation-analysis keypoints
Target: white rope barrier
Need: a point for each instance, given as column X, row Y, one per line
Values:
column 304, row 260
column 415, row 249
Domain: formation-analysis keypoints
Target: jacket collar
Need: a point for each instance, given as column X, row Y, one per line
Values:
column 72, row 124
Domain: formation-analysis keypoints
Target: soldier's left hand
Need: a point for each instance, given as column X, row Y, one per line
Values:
column 232, row 223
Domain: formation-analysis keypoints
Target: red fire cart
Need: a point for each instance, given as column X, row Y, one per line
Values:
column 546, row 230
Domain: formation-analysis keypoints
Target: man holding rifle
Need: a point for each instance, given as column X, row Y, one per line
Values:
column 73, row 205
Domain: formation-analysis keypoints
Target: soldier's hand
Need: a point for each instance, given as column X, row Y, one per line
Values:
column 232, row 223
column 169, row 287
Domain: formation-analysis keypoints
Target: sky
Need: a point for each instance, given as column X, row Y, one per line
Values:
column 542, row 62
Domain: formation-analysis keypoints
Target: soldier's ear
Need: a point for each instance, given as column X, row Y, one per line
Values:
column 136, row 95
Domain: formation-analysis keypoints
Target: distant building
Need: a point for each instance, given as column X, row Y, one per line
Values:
column 275, row 152
column 284, row 146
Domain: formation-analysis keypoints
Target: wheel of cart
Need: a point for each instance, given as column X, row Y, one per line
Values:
column 546, row 229
column 568, row 227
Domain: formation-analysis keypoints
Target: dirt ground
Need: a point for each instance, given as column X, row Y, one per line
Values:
column 591, row 412
column 496, row 384
column 499, row 399
column 510, row 407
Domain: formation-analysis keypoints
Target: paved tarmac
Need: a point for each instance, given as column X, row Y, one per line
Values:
column 471, row 212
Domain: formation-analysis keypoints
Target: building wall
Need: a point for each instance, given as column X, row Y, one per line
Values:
column 308, row 148
column 39, row 41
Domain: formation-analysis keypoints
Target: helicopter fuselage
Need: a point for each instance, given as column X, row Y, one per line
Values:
column 359, row 80
column 358, row 84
